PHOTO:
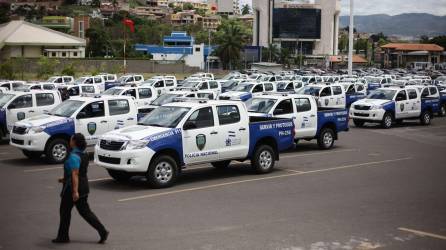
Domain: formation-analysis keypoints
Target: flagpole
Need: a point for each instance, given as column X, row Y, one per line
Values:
column 125, row 41
column 350, row 41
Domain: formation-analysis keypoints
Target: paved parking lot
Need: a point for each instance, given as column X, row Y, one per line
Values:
column 377, row 188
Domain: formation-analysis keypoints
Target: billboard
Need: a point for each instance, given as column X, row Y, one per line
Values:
column 294, row 23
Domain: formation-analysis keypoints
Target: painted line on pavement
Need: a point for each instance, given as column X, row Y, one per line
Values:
column 100, row 179
column 261, row 179
column 421, row 233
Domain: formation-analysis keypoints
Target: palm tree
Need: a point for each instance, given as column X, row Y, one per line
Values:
column 246, row 9
column 230, row 38
column 272, row 52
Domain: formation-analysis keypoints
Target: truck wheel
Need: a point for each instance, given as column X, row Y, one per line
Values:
column 425, row 118
column 32, row 154
column 387, row 121
column 326, row 138
column 442, row 111
column 221, row 164
column 358, row 123
column 263, row 160
column 162, row 172
column 119, row 176
column 57, row 151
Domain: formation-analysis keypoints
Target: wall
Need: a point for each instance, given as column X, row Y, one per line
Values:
column 111, row 66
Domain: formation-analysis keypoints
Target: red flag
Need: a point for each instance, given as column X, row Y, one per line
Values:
column 129, row 23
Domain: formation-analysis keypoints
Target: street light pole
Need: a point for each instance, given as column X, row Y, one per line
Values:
column 350, row 41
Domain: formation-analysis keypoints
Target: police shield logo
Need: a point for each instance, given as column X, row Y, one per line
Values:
column 91, row 127
column 402, row 107
column 20, row 116
column 201, row 141
column 326, row 102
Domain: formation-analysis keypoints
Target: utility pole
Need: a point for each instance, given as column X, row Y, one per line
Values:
column 209, row 49
column 350, row 41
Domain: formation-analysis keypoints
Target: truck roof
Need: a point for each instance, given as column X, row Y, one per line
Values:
column 100, row 98
column 201, row 103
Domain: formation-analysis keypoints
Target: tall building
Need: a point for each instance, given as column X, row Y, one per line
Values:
column 227, row 7
column 305, row 25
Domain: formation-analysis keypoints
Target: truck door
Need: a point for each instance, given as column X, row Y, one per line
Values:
column 338, row 99
column 401, row 105
column 200, row 137
column 326, row 98
column 19, row 109
column 305, row 122
column 145, row 96
column 91, row 121
column 414, row 103
column 233, row 133
column 45, row 102
column 119, row 114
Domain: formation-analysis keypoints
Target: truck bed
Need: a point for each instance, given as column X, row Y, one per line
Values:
column 337, row 117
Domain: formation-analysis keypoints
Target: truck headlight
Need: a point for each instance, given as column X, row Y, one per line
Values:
column 375, row 107
column 136, row 144
column 35, row 130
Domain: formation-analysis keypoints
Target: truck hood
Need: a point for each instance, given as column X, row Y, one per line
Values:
column 237, row 95
column 43, row 121
column 136, row 132
column 370, row 102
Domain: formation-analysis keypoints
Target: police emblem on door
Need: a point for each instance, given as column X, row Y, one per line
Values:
column 201, row 141
column 402, row 107
column 20, row 116
column 326, row 102
column 91, row 127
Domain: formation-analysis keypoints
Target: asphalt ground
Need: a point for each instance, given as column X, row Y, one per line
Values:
column 376, row 189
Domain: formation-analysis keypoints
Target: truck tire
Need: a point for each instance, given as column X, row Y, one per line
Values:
column 358, row 123
column 32, row 154
column 263, row 159
column 326, row 138
column 162, row 172
column 425, row 118
column 387, row 120
column 119, row 176
column 442, row 111
column 56, row 151
column 221, row 164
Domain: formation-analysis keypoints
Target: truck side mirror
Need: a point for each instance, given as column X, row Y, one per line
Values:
column 81, row 115
column 278, row 111
column 11, row 106
column 189, row 125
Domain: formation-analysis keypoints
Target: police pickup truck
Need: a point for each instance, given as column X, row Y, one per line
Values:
column 245, row 91
column 16, row 106
column 310, row 121
column 326, row 95
column 92, row 116
column 143, row 95
column 192, row 132
column 394, row 104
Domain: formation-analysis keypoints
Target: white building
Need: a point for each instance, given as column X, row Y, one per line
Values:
column 305, row 25
column 23, row 39
column 227, row 7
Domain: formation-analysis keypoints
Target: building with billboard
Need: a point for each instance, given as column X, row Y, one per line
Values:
column 309, row 27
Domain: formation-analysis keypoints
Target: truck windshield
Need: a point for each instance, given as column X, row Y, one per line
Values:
column 80, row 80
column 260, row 105
column 190, row 84
column 67, row 108
column 282, row 86
column 244, row 87
column 5, row 98
column 309, row 90
column 149, row 83
column 166, row 117
column 164, row 99
column 382, row 94
column 113, row 91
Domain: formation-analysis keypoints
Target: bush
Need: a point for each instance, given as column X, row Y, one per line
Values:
column 7, row 70
column 46, row 67
column 69, row 70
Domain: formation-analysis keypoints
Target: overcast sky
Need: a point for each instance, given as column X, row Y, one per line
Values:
column 391, row 7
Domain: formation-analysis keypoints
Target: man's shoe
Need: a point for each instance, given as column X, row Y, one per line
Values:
column 60, row 241
column 104, row 237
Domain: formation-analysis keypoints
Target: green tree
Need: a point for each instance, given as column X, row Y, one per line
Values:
column 7, row 70
column 439, row 40
column 284, row 57
column 188, row 6
column 246, row 9
column 424, row 39
column 230, row 38
column 69, row 70
column 4, row 12
column 46, row 67
column 271, row 53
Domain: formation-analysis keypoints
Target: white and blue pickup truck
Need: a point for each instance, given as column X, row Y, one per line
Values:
column 17, row 105
column 431, row 91
column 310, row 121
column 326, row 95
column 245, row 91
column 49, row 134
column 192, row 132
column 394, row 104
